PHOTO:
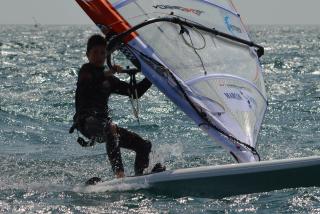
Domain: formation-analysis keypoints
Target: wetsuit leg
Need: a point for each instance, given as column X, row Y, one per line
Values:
column 113, row 148
column 132, row 141
column 116, row 137
column 102, row 131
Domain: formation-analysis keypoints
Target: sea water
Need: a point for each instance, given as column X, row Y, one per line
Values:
column 42, row 167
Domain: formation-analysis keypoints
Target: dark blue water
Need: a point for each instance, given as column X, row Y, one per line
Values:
column 41, row 164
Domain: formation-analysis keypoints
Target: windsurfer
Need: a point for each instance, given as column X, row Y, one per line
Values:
column 94, row 87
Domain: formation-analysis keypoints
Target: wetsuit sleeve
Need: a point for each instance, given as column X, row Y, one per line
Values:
column 124, row 88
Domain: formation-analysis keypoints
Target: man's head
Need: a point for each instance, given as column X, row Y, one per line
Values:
column 96, row 50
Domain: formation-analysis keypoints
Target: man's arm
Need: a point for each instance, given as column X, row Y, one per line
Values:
column 124, row 88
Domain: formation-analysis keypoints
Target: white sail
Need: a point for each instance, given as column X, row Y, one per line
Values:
column 199, row 54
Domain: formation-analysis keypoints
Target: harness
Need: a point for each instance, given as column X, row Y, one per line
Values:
column 77, row 126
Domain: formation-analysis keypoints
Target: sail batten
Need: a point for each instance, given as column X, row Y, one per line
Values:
column 225, row 76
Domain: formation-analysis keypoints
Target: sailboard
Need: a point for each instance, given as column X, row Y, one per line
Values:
column 221, row 181
column 199, row 54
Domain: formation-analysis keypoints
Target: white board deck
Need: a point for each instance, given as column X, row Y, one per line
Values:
column 228, row 180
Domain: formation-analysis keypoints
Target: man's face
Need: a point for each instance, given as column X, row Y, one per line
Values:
column 97, row 55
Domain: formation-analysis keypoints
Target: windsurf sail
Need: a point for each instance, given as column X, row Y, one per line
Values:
column 199, row 54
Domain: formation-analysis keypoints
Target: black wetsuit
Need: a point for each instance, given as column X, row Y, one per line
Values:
column 94, row 88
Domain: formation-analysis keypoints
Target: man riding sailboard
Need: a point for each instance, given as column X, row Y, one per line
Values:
column 94, row 86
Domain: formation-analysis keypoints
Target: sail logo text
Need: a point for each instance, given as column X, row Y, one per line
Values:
column 184, row 9
column 233, row 95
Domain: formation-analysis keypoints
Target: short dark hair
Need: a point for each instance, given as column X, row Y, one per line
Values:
column 95, row 40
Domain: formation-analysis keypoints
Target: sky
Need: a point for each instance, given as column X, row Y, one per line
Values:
column 68, row 12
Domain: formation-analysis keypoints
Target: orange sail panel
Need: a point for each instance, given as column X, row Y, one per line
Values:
column 104, row 15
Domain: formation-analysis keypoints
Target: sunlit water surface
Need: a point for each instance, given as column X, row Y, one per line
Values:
column 42, row 165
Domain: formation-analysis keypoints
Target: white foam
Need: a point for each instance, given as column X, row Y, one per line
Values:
column 166, row 152
column 316, row 73
column 116, row 185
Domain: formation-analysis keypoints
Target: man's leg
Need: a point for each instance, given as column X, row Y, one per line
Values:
column 132, row 141
column 113, row 148
column 103, row 131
